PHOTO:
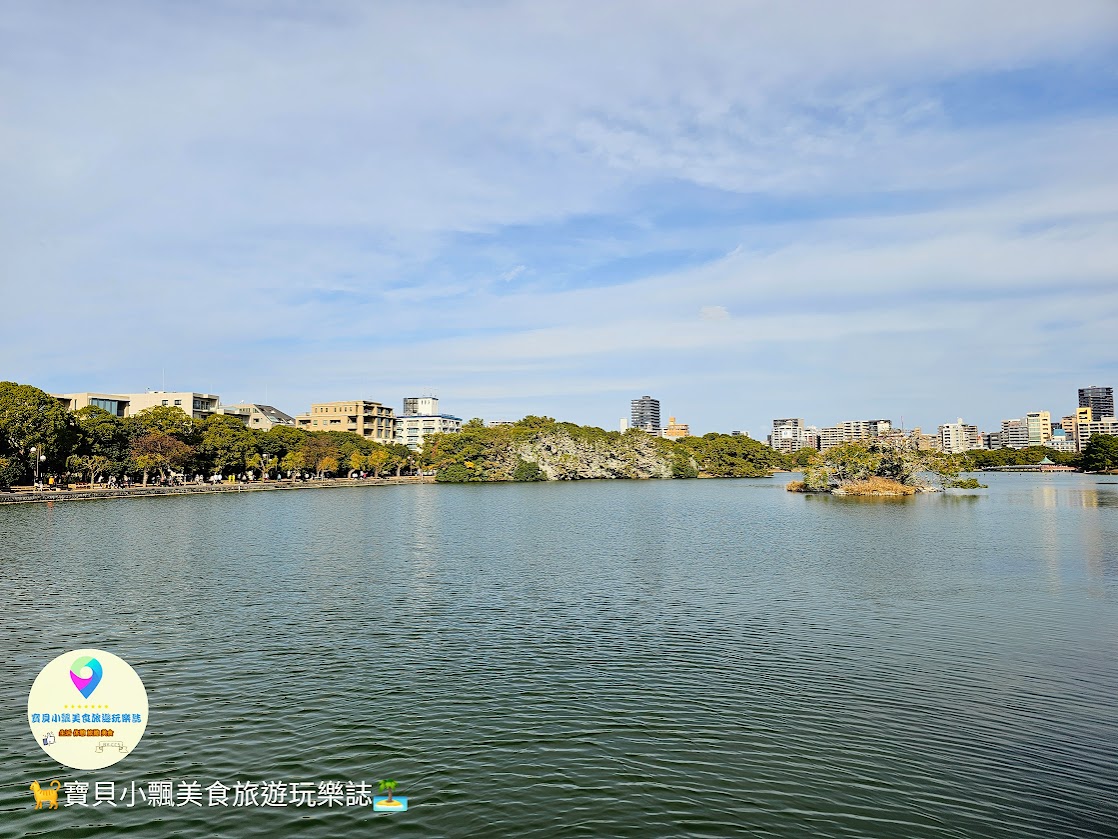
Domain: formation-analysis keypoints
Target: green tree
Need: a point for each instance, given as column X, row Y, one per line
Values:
column 281, row 439
column 316, row 448
column 526, row 471
column 1101, row 453
column 227, row 445
column 32, row 418
column 805, row 457
column 94, row 464
column 165, row 419
column 453, row 474
column 400, row 458
column 377, row 460
column 100, row 433
column 160, row 452
column 292, row 463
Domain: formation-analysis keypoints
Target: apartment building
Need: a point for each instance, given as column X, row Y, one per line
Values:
column 676, row 430
column 371, row 420
column 853, row 431
column 1099, row 399
column 957, row 437
column 1084, row 430
column 421, row 417
column 255, row 415
column 645, row 414
column 1014, row 434
column 789, row 435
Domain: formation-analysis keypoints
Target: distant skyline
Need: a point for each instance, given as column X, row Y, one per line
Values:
column 747, row 210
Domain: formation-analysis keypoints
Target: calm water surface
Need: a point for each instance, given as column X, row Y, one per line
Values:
column 619, row 659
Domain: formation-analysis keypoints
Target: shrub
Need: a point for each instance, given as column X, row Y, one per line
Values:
column 453, row 474
column 527, row 471
column 968, row 483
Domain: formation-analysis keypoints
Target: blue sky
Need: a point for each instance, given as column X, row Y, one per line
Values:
column 747, row 209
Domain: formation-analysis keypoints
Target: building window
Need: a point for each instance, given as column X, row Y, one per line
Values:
column 178, row 402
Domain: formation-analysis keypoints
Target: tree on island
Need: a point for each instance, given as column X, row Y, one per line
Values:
column 387, row 786
column 876, row 468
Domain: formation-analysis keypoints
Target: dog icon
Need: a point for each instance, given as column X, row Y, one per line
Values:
column 46, row 796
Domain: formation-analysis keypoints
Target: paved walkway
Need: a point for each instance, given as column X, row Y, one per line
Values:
column 26, row 495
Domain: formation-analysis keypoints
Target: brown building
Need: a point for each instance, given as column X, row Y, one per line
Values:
column 369, row 419
column 677, row 430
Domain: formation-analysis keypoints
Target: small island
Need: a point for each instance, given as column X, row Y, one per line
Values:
column 877, row 469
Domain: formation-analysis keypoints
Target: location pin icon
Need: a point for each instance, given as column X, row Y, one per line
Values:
column 86, row 684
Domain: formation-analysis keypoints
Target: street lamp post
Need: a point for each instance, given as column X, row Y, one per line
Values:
column 38, row 457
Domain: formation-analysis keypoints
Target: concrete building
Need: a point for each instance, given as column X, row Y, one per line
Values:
column 991, row 440
column 853, row 431
column 1099, row 399
column 198, row 405
column 371, row 420
column 1015, row 434
column 1039, row 424
column 790, row 435
column 645, row 414
column 114, row 403
column 1106, row 425
column 957, row 437
column 1071, row 423
column 421, row 417
column 676, row 430
column 1062, row 441
column 417, row 406
column 255, row 415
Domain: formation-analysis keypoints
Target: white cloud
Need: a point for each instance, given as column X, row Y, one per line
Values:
column 714, row 313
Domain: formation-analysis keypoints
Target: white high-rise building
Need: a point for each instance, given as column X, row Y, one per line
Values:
column 957, row 437
column 421, row 417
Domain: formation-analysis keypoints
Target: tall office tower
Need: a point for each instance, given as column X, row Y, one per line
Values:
column 645, row 414
column 1099, row 399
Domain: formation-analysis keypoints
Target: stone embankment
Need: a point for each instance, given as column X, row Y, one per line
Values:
column 49, row 494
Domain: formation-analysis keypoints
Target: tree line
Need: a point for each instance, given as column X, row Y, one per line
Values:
column 163, row 441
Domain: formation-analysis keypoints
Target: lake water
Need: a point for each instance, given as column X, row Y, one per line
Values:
column 615, row 659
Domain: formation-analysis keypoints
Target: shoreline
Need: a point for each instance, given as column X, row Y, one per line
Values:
column 48, row 496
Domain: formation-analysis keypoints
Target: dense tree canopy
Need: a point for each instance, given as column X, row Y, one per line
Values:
column 1101, row 453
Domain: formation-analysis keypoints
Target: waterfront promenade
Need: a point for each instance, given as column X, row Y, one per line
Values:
column 29, row 495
